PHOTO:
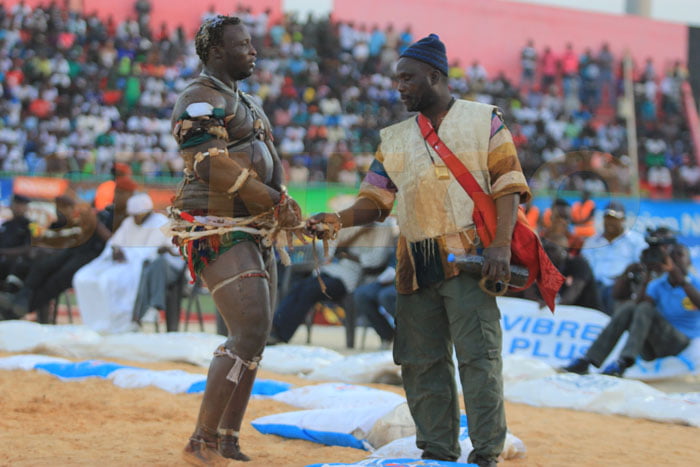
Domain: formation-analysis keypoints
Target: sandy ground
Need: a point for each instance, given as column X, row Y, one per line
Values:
column 49, row 422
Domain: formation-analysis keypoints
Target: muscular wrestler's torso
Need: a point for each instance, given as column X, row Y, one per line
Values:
column 248, row 140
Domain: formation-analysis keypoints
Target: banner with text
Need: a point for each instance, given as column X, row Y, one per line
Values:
column 556, row 339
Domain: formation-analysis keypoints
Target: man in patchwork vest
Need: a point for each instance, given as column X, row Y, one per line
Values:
column 438, row 309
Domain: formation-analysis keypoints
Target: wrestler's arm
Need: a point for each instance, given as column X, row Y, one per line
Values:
column 221, row 172
column 277, row 170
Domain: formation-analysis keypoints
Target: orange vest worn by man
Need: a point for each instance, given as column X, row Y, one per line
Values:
column 582, row 218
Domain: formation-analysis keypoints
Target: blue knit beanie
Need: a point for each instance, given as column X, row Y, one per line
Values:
column 429, row 50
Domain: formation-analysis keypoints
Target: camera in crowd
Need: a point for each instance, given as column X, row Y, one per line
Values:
column 659, row 241
column 653, row 257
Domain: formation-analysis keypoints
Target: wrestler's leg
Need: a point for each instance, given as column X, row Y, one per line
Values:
column 271, row 267
column 230, row 425
column 238, row 284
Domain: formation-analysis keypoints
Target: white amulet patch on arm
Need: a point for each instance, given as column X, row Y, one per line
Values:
column 200, row 109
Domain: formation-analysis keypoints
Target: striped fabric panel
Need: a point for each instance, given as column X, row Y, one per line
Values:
column 379, row 181
column 504, row 163
column 383, row 197
column 378, row 187
column 496, row 123
column 509, row 183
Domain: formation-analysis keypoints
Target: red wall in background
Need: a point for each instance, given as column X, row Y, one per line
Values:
column 174, row 12
column 495, row 31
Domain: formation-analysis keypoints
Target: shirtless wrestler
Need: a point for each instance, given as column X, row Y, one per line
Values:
column 230, row 198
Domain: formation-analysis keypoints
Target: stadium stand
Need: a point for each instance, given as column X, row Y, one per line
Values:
column 80, row 91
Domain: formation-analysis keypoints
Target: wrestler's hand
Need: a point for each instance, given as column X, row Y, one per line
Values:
column 497, row 263
column 289, row 214
column 323, row 225
column 290, row 220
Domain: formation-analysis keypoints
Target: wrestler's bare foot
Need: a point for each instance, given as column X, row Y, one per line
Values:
column 203, row 453
column 230, row 449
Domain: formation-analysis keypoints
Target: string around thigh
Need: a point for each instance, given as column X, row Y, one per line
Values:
column 251, row 273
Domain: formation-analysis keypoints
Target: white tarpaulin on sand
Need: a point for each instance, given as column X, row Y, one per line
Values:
column 80, row 342
column 554, row 339
column 535, row 341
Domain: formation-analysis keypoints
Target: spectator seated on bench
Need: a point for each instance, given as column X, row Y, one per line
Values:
column 360, row 252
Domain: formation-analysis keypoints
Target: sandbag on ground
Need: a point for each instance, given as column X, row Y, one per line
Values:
column 394, row 435
column 332, row 427
column 375, row 367
column 297, row 359
column 608, row 395
column 406, row 448
column 338, row 396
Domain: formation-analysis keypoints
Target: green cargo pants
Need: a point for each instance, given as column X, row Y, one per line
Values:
column 429, row 323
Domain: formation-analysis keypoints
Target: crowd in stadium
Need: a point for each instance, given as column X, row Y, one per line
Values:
column 80, row 95
column 80, row 92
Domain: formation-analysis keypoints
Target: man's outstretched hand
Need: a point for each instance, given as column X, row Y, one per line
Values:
column 324, row 225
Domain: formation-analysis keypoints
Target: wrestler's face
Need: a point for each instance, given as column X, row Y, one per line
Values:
column 414, row 84
column 238, row 51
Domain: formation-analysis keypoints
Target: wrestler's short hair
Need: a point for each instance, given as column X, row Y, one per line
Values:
column 210, row 34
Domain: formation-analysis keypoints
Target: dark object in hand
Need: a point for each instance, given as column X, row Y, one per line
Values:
column 659, row 237
column 653, row 257
column 473, row 264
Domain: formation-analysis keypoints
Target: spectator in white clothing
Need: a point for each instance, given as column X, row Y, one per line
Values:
column 106, row 287
column 610, row 252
